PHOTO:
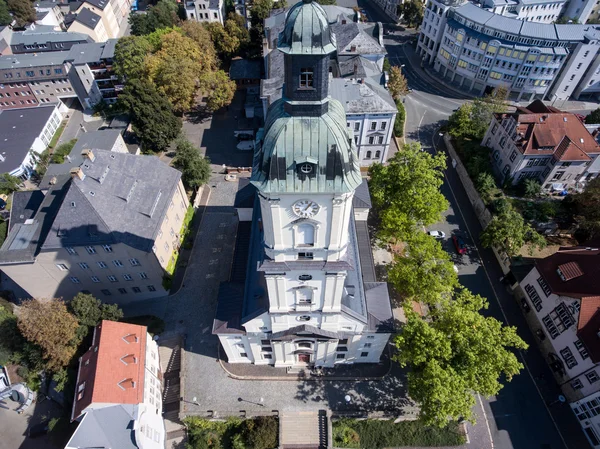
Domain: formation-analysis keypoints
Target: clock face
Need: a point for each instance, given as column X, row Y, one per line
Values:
column 305, row 208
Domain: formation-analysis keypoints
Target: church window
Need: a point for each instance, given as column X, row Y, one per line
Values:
column 306, row 168
column 304, row 318
column 306, row 77
column 305, row 345
column 305, row 235
column 304, row 277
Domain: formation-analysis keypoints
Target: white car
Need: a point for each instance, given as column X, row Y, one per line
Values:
column 437, row 234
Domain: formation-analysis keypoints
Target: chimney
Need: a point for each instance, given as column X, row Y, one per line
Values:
column 77, row 172
column 88, row 154
column 53, row 180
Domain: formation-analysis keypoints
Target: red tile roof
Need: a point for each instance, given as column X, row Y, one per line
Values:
column 570, row 270
column 112, row 370
column 589, row 326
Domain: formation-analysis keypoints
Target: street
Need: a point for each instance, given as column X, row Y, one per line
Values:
column 519, row 417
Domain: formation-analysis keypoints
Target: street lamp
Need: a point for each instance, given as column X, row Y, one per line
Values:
column 195, row 401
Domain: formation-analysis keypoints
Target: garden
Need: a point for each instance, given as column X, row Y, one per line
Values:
column 234, row 433
column 377, row 434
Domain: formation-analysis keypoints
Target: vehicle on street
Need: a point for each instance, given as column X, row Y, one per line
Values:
column 437, row 234
column 459, row 244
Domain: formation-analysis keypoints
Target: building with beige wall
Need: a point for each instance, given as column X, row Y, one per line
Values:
column 110, row 228
column 90, row 23
column 107, row 14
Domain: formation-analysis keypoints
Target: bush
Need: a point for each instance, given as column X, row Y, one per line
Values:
column 400, row 117
column 61, row 151
column 261, row 433
column 346, row 437
column 257, row 433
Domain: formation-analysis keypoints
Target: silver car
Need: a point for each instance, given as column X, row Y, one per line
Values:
column 437, row 234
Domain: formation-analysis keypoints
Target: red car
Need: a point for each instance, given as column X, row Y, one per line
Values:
column 459, row 244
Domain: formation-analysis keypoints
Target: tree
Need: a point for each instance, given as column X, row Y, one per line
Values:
column 201, row 36
column 509, row 232
column 195, row 169
column 175, row 69
column 90, row 311
column 48, row 324
column 593, row 117
column 151, row 114
column 225, row 43
column 261, row 9
column 459, row 123
column 453, row 353
column 406, row 191
column 473, row 119
column 161, row 15
column 486, row 186
column 424, row 272
column 130, row 56
column 5, row 17
column 412, row 12
column 23, row 11
column 531, row 188
column 236, row 26
column 219, row 89
column 9, row 184
column 586, row 206
column 397, row 84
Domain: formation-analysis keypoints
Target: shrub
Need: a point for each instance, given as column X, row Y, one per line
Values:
column 346, row 437
column 400, row 117
column 261, row 433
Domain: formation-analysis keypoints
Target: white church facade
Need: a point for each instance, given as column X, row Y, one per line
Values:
column 308, row 295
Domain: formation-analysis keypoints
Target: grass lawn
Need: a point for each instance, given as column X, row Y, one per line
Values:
column 154, row 324
column 378, row 434
column 57, row 134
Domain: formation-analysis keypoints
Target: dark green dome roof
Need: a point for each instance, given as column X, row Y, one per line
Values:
column 307, row 31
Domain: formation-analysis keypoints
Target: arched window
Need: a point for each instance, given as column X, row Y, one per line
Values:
column 303, row 318
column 506, row 169
column 368, row 155
column 305, row 235
column 377, row 154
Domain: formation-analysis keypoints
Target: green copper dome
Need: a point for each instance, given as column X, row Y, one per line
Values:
column 306, row 31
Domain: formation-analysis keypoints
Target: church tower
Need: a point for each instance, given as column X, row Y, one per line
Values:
column 304, row 265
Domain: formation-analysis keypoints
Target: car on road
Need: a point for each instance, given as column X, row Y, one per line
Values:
column 437, row 234
column 459, row 244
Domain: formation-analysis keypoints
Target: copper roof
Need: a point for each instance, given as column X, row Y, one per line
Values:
column 589, row 326
column 112, row 370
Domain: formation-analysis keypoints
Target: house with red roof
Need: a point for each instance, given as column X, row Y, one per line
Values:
column 545, row 144
column 563, row 292
column 118, row 397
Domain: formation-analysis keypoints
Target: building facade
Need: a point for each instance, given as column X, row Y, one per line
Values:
column 206, row 10
column 89, row 244
column 31, row 41
column 310, row 297
column 563, row 294
column 539, row 11
column 118, row 398
column 390, row 8
column 476, row 50
column 542, row 143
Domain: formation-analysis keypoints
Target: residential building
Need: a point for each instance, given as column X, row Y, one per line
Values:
column 109, row 12
column 206, row 10
column 356, row 79
column 542, row 143
column 309, row 296
column 390, row 8
column 92, row 74
column 581, row 10
column 476, row 50
column 88, row 22
column 564, row 295
column 118, row 396
column 25, row 133
column 5, row 38
column 540, row 11
column 31, row 40
column 50, row 13
column 110, row 227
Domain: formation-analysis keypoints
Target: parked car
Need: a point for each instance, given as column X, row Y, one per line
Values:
column 459, row 244
column 437, row 234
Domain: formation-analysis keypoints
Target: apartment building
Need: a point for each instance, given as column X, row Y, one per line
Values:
column 88, row 22
column 356, row 78
column 564, row 295
column 206, row 10
column 25, row 134
column 110, row 227
column 584, row 11
column 545, row 144
column 32, row 41
column 106, row 12
column 118, row 398
column 476, row 50
column 50, row 13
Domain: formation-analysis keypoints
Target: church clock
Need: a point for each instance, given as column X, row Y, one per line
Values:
column 305, row 208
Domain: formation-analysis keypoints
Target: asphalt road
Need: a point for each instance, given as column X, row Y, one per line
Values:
column 524, row 415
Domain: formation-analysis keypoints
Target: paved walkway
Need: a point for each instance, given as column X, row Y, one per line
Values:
column 303, row 430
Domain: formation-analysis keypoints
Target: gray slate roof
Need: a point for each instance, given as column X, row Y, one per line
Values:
column 307, row 31
column 289, row 141
column 26, row 60
column 92, row 52
column 19, row 128
column 108, row 427
column 25, row 204
column 31, row 37
column 362, row 197
column 379, row 307
column 361, row 98
column 359, row 35
column 357, row 66
column 123, row 198
column 88, row 18
column 101, row 4
column 245, row 69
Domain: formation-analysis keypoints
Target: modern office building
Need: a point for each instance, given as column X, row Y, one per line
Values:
column 545, row 144
column 476, row 50
column 309, row 297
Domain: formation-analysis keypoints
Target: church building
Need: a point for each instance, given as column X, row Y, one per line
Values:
column 302, row 291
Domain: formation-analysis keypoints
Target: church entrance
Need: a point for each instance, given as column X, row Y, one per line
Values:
column 304, row 358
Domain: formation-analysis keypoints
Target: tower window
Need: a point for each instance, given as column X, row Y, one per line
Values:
column 304, row 277
column 306, row 77
column 305, row 235
column 306, row 168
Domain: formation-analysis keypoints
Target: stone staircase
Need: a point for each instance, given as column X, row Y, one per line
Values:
column 304, row 430
column 170, row 360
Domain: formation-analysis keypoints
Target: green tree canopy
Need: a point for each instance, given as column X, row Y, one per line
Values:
column 412, row 12
column 261, row 9
column 130, row 56
column 23, row 11
column 473, row 119
column 152, row 115
column 509, row 232
column 406, row 191
column 424, row 272
column 453, row 353
column 225, row 43
column 161, row 15
column 48, row 324
column 195, row 169
column 90, row 311
column 486, row 186
column 5, row 17
column 397, row 84
column 593, row 117
column 219, row 89
column 9, row 184
column 586, row 208
column 201, row 36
